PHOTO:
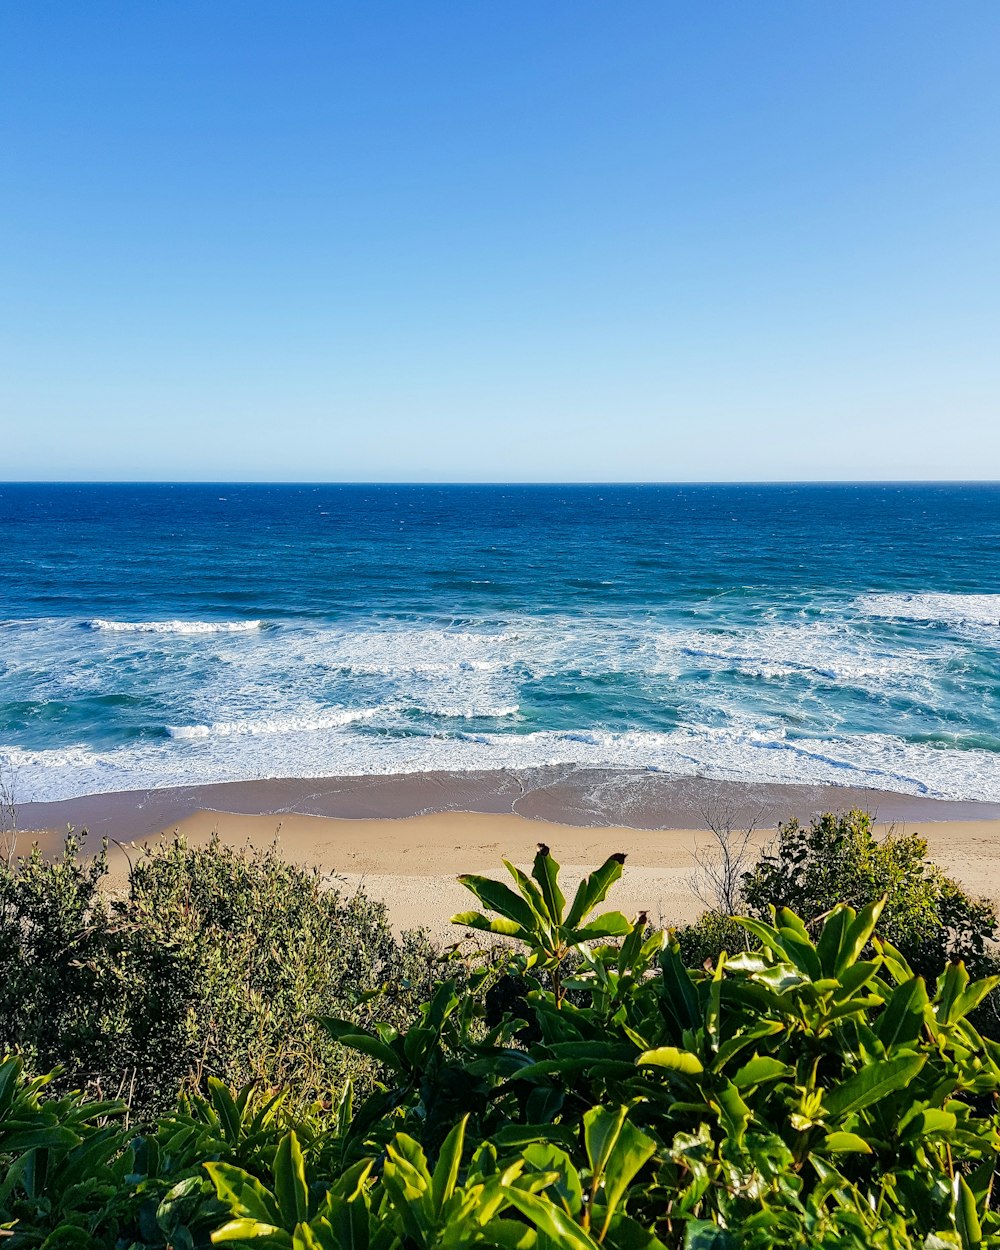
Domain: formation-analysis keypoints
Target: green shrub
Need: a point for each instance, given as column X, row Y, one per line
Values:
column 212, row 961
column 813, row 1091
column 838, row 858
column 701, row 942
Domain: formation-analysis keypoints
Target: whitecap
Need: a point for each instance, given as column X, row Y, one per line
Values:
column 174, row 627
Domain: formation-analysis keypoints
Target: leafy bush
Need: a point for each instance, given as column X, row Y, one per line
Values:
column 701, row 941
column 812, row 1091
column 212, row 961
column 838, row 858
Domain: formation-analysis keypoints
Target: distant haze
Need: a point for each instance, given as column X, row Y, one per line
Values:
column 500, row 242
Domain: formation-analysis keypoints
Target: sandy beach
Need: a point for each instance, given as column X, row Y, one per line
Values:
column 405, row 839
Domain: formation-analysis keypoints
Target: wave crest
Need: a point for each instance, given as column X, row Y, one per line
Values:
column 174, row 627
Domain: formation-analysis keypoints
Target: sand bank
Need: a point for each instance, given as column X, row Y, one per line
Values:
column 405, row 839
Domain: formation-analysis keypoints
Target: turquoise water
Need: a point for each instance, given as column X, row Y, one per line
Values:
column 159, row 635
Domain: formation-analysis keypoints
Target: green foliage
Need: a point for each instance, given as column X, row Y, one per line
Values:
column 712, row 932
column 211, row 961
column 536, row 914
column 838, row 858
column 812, row 1090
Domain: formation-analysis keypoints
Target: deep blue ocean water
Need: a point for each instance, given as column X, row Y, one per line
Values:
column 164, row 634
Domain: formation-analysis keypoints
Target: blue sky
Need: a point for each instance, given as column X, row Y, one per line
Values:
column 561, row 240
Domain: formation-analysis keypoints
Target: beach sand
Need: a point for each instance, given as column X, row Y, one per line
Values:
column 405, row 839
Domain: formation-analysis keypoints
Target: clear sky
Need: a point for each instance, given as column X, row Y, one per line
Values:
column 545, row 240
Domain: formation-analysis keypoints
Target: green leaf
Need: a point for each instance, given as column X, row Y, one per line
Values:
column 366, row 1043
column 966, row 1216
column 552, row 1221
column 499, row 924
column 872, row 1083
column 594, row 889
column 247, row 1230
column 632, row 1150
column 903, row 1018
column 446, row 1169
column 546, row 872
column 733, row 1112
column 601, row 1127
column 680, row 995
column 831, row 940
column 245, row 1196
column 670, row 1057
column 225, row 1107
column 547, row 1157
column 858, row 934
column 290, row 1186
column 845, row 1143
column 608, row 924
column 971, row 997
column 760, row 1069
column 500, row 898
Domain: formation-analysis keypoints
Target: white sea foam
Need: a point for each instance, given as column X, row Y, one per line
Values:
column 335, row 719
column 822, row 652
column 735, row 752
column 175, row 627
column 933, row 608
column 286, row 702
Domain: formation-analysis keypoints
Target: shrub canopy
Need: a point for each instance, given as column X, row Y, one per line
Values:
column 210, row 961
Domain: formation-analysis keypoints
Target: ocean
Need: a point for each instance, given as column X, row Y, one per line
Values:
column 160, row 635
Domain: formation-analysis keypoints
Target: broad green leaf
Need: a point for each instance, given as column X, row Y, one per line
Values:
column 670, row 1057
column 801, row 952
column 759, row 1069
column 601, row 1127
column 225, row 1107
column 500, row 898
column 903, row 1018
column 608, row 924
column 449, row 1161
column 733, row 1111
column 680, row 995
column 927, row 1121
column 499, row 924
column 858, row 934
column 290, row 1186
column 845, row 1143
column 319, row 1238
column 366, row 1043
column 245, row 1196
column 951, row 984
column 594, row 889
column 970, row 998
column 966, row 1216
column 546, row 872
column 248, row 1230
column 547, row 1157
column 552, row 1221
column 532, row 895
column 872, row 1083
column 631, row 1151
column 831, row 940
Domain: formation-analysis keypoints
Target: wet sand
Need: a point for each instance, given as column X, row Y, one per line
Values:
column 405, row 839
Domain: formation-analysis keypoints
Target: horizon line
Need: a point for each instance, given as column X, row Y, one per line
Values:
column 456, row 482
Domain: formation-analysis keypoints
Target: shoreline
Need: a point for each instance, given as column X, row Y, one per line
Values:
column 404, row 839
column 559, row 794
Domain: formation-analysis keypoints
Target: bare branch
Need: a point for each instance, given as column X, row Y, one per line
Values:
column 8, row 813
column 717, row 879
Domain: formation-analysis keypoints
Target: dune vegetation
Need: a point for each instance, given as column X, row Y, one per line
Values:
column 225, row 1051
